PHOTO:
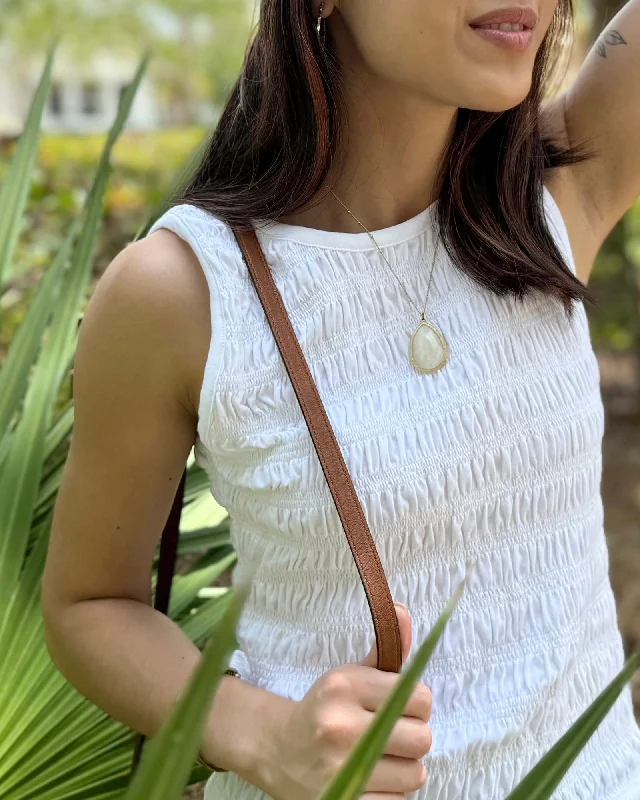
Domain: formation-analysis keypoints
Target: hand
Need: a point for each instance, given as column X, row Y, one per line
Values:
column 310, row 743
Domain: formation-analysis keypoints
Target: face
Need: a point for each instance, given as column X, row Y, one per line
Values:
column 429, row 47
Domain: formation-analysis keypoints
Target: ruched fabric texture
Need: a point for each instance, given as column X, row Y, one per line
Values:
column 495, row 461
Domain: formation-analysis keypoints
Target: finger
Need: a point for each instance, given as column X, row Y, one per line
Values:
column 410, row 738
column 404, row 625
column 397, row 774
column 373, row 687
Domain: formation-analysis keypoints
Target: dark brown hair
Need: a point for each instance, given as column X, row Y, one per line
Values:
column 283, row 122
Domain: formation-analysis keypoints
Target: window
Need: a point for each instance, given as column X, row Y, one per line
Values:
column 55, row 100
column 90, row 99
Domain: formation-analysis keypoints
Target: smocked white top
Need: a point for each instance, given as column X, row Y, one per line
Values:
column 495, row 461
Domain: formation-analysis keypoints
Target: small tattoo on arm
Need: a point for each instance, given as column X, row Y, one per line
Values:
column 610, row 38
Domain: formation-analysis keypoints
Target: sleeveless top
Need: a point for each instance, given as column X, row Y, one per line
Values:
column 494, row 461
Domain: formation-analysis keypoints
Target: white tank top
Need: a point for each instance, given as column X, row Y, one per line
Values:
column 493, row 461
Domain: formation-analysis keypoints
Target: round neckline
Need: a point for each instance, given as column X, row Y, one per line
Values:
column 341, row 240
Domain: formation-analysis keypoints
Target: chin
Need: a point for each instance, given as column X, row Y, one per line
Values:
column 499, row 96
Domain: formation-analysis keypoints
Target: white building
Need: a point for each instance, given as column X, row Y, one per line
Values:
column 81, row 100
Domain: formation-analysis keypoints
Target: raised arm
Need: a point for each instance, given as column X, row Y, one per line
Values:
column 602, row 105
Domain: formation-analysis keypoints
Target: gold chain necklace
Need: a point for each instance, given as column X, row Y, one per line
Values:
column 428, row 351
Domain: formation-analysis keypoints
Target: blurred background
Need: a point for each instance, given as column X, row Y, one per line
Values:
column 197, row 48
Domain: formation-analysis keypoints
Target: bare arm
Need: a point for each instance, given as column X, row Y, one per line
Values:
column 604, row 104
column 603, row 107
column 138, row 369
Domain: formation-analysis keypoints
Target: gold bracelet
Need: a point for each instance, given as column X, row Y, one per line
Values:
column 201, row 760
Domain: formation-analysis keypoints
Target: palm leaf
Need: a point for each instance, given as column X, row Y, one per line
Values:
column 26, row 343
column 205, row 538
column 17, row 182
column 60, row 431
column 53, row 742
column 22, row 467
column 49, row 734
column 197, row 482
column 199, row 624
column 540, row 783
column 186, row 587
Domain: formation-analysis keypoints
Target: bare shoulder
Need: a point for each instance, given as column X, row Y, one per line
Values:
column 137, row 368
column 155, row 296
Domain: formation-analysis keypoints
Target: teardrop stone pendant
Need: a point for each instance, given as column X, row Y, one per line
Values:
column 428, row 349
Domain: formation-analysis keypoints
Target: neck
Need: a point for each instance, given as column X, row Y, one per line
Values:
column 393, row 143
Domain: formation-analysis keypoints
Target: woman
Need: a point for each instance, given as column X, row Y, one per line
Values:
column 391, row 155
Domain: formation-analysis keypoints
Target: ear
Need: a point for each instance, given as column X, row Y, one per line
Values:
column 327, row 7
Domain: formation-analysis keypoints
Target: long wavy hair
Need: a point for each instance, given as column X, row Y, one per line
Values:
column 281, row 129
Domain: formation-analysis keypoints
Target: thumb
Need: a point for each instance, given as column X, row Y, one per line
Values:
column 404, row 622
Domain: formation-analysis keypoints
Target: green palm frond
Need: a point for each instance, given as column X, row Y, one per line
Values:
column 17, row 181
column 53, row 743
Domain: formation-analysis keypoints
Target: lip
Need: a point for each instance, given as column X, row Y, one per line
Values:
column 516, row 15
column 518, row 41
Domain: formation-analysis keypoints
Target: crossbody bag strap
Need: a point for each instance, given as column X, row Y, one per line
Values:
column 385, row 621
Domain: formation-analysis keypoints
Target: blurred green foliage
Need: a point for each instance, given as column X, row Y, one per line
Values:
column 53, row 743
column 144, row 167
column 615, row 279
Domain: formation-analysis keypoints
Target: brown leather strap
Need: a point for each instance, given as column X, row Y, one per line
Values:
column 385, row 621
